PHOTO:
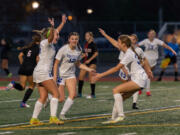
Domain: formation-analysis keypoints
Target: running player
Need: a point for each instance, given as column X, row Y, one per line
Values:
column 138, row 75
column 172, row 59
column 151, row 52
column 28, row 58
column 123, row 75
column 4, row 56
column 42, row 74
column 90, row 59
column 68, row 57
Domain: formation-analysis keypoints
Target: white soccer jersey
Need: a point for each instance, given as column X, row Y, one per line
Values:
column 139, row 51
column 131, row 61
column 68, row 58
column 151, row 48
column 46, row 57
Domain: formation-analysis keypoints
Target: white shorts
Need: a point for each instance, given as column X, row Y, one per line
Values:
column 140, row 79
column 122, row 75
column 39, row 77
column 62, row 80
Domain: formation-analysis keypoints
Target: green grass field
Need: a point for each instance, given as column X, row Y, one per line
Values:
column 158, row 114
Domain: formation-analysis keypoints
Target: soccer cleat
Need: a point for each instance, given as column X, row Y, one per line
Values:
column 116, row 120
column 9, row 75
column 148, row 93
column 10, row 85
column 24, row 105
column 91, row 96
column 35, row 121
column 62, row 117
column 55, row 120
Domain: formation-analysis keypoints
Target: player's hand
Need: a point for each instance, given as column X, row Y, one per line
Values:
column 87, row 62
column 64, row 18
column 93, row 71
column 174, row 52
column 51, row 21
column 96, row 77
column 102, row 31
column 150, row 74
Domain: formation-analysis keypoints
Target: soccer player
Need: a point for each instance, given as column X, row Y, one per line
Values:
column 123, row 75
column 138, row 75
column 4, row 56
column 90, row 59
column 42, row 74
column 68, row 57
column 171, row 59
column 28, row 58
column 151, row 52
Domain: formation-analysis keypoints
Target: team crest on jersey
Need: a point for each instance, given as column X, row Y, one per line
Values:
column 72, row 58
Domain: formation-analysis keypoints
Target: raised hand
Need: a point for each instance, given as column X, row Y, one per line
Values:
column 102, row 31
column 64, row 18
column 51, row 21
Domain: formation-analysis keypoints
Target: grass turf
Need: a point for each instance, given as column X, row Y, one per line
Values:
column 148, row 122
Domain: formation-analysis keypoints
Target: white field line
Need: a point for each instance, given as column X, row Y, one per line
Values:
column 67, row 133
column 96, row 115
column 128, row 134
column 9, row 101
column 8, row 132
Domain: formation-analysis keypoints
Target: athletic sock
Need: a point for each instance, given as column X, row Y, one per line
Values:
column 114, row 112
column 18, row 86
column 37, row 109
column 50, row 96
column 148, row 85
column 80, row 86
column 93, row 89
column 6, row 71
column 119, row 104
column 135, row 97
column 27, row 95
column 67, row 105
column 53, row 106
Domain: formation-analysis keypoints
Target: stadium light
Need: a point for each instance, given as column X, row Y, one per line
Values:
column 89, row 11
column 35, row 5
column 70, row 17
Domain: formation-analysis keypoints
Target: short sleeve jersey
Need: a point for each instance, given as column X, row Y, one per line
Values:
column 68, row 58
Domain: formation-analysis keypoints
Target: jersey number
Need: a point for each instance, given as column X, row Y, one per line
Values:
column 29, row 53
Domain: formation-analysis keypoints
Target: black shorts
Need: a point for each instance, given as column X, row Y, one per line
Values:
column 27, row 71
column 173, row 59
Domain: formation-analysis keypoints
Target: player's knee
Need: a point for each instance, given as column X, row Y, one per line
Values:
column 115, row 91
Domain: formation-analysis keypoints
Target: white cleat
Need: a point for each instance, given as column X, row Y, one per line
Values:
column 10, row 86
column 62, row 117
column 116, row 120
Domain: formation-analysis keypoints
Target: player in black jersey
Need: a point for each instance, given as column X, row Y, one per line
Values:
column 90, row 59
column 28, row 58
column 4, row 55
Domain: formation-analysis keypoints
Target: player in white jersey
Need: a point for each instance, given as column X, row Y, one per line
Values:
column 123, row 75
column 151, row 45
column 42, row 74
column 138, row 75
column 68, row 57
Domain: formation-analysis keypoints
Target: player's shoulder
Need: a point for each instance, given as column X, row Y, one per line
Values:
column 44, row 42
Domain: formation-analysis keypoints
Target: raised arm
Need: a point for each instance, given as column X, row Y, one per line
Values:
column 169, row 48
column 51, row 34
column 59, row 28
column 110, row 39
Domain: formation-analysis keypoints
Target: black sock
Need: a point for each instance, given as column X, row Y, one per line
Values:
column 80, row 85
column 27, row 95
column 6, row 71
column 161, row 74
column 93, row 89
column 175, row 74
column 18, row 86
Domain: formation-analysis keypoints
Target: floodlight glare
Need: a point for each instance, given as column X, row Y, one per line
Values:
column 35, row 5
column 89, row 11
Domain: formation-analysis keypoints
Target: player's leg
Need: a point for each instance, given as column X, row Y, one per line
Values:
column 92, row 83
column 82, row 74
column 71, row 86
column 5, row 67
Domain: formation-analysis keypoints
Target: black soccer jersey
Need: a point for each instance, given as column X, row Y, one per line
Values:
column 30, row 56
column 89, row 50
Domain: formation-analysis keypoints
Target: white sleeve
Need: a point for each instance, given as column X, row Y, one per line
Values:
column 141, row 53
column 60, row 54
column 44, row 42
column 159, row 42
column 127, row 59
column 121, row 54
column 141, row 43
